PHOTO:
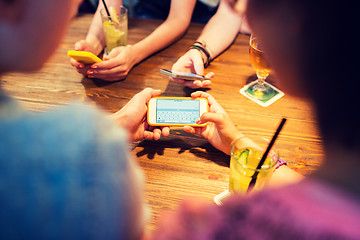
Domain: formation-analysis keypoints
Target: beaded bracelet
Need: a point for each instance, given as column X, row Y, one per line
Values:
column 202, row 48
column 280, row 162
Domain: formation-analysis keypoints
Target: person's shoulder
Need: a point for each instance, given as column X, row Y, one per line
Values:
column 76, row 131
column 86, row 124
column 84, row 119
column 306, row 210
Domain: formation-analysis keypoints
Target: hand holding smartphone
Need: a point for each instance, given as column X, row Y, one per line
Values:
column 181, row 111
column 183, row 75
column 84, row 57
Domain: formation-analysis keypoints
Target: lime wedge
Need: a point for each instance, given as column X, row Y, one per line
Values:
column 244, row 156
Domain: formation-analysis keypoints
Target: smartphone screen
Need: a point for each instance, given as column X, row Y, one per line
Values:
column 175, row 111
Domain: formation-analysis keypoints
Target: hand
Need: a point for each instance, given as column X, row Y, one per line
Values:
column 82, row 45
column 115, row 66
column 133, row 117
column 192, row 62
column 220, row 130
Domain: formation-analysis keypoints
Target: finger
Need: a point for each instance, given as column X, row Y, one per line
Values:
column 148, row 135
column 193, row 130
column 83, row 45
column 190, row 84
column 217, row 118
column 198, row 94
column 155, row 93
column 197, row 62
column 75, row 63
column 116, row 51
column 119, row 70
column 182, row 65
column 157, row 133
column 210, row 75
column 146, row 94
column 196, row 84
column 206, row 83
column 83, row 70
column 178, row 80
column 113, row 53
column 149, row 92
column 165, row 131
column 106, row 76
column 109, row 64
column 79, row 46
column 189, row 129
column 188, row 64
column 211, row 100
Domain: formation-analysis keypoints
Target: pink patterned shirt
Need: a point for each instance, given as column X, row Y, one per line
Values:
column 307, row 210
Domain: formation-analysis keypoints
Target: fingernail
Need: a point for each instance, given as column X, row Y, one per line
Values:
column 90, row 76
column 89, row 72
column 94, row 66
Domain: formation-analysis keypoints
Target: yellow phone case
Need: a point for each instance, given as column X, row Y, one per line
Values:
column 84, row 57
column 176, row 125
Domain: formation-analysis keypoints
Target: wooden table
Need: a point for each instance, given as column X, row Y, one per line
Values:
column 180, row 165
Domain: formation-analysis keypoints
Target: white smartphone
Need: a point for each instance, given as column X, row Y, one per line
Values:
column 183, row 75
column 165, row 111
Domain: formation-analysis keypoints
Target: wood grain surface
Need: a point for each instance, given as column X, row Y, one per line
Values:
column 180, row 165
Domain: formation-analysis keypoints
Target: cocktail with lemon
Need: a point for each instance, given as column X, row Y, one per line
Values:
column 243, row 164
column 115, row 28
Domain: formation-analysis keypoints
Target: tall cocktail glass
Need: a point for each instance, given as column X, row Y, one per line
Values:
column 115, row 28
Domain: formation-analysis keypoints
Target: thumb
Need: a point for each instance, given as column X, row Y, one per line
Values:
column 82, row 45
column 210, row 75
column 147, row 93
column 198, row 64
column 156, row 93
column 116, row 51
column 113, row 53
column 217, row 118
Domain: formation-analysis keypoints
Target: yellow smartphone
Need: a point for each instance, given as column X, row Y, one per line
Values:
column 84, row 57
column 176, row 111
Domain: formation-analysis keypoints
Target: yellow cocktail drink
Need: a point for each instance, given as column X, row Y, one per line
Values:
column 115, row 35
column 243, row 165
column 115, row 28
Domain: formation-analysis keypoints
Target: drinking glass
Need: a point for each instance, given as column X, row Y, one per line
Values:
column 115, row 28
column 259, row 89
column 243, row 167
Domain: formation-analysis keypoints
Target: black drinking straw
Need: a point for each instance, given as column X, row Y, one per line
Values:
column 107, row 10
column 254, row 177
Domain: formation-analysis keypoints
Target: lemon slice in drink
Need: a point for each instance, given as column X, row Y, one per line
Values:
column 113, row 15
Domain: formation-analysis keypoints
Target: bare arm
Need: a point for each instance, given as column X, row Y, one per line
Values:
column 95, row 34
column 120, row 60
column 170, row 30
column 221, row 30
column 216, row 36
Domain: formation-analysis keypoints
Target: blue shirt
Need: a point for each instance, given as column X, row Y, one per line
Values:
column 66, row 174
